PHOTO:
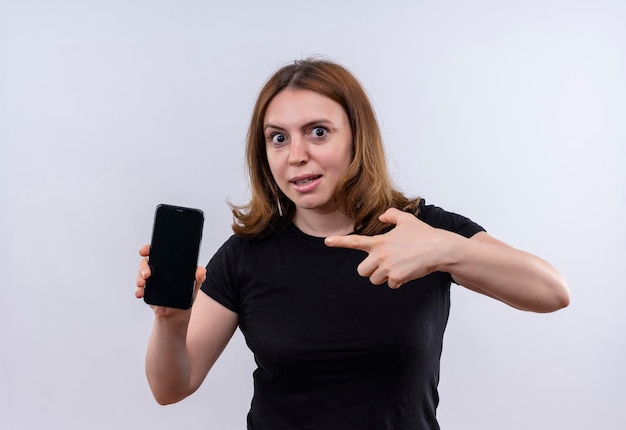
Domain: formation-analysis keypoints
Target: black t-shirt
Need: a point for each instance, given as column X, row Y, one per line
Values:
column 333, row 350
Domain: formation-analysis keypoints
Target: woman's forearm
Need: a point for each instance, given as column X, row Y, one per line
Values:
column 413, row 249
column 168, row 367
column 520, row 279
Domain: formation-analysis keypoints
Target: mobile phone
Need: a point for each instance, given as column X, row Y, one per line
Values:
column 174, row 249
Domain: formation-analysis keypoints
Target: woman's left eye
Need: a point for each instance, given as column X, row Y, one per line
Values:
column 319, row 132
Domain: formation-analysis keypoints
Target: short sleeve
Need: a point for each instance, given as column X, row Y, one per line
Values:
column 221, row 277
column 440, row 218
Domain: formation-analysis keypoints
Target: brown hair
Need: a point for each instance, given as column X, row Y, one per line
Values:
column 364, row 192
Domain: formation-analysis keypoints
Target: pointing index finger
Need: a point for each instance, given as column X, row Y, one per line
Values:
column 351, row 241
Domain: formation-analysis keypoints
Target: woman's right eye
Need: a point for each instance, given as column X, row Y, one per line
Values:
column 278, row 138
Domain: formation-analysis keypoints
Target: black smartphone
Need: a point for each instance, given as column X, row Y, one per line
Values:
column 173, row 259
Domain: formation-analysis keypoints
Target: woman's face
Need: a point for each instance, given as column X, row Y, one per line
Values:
column 309, row 147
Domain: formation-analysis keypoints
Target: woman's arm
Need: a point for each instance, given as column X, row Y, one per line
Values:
column 491, row 267
column 183, row 348
column 414, row 249
column 184, row 344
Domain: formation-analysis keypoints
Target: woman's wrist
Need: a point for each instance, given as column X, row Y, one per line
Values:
column 453, row 249
column 172, row 316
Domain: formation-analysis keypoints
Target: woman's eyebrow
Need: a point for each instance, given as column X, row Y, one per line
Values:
column 272, row 126
column 303, row 126
column 317, row 122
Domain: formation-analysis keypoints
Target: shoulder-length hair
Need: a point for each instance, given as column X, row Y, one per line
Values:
column 364, row 192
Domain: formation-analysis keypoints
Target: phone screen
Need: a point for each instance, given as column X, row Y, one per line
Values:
column 173, row 259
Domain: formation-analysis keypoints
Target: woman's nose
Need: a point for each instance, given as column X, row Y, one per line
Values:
column 298, row 152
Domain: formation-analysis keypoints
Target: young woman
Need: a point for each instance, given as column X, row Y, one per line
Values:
column 302, row 275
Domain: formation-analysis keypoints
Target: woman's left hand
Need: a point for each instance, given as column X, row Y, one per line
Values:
column 414, row 249
column 411, row 250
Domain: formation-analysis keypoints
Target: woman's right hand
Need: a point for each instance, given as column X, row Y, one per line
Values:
column 180, row 337
column 144, row 274
column 144, row 271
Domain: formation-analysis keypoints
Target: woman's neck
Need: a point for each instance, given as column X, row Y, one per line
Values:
column 323, row 225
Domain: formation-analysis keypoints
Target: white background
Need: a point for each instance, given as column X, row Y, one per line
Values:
column 511, row 113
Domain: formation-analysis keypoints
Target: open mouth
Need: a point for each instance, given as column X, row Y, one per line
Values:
column 306, row 180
